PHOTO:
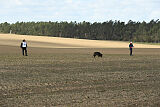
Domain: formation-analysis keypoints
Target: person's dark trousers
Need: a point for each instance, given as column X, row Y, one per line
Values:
column 24, row 50
column 130, row 51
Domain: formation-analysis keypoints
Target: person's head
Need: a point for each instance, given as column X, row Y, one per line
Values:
column 24, row 40
column 130, row 42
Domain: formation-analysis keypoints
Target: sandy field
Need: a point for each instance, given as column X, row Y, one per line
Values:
column 57, row 42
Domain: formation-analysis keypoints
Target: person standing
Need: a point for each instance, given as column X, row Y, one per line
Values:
column 24, row 47
column 130, row 47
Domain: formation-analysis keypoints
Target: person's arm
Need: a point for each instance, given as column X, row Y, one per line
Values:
column 21, row 45
column 129, row 46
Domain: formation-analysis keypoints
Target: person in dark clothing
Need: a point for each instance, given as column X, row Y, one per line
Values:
column 24, row 47
column 130, row 47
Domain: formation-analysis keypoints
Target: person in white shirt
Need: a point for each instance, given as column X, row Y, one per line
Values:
column 24, row 47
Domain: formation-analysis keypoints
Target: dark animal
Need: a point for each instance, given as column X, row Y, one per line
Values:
column 97, row 54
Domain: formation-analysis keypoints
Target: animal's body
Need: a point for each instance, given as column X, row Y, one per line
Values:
column 97, row 54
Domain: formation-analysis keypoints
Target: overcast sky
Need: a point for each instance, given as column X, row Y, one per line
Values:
column 79, row 10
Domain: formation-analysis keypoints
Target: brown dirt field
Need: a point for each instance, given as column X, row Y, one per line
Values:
column 32, row 50
column 67, row 75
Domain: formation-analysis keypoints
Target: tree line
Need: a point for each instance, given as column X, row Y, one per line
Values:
column 109, row 30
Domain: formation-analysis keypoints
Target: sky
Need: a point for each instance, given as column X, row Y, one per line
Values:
column 12, row 11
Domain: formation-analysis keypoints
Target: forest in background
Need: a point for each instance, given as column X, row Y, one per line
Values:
column 109, row 30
